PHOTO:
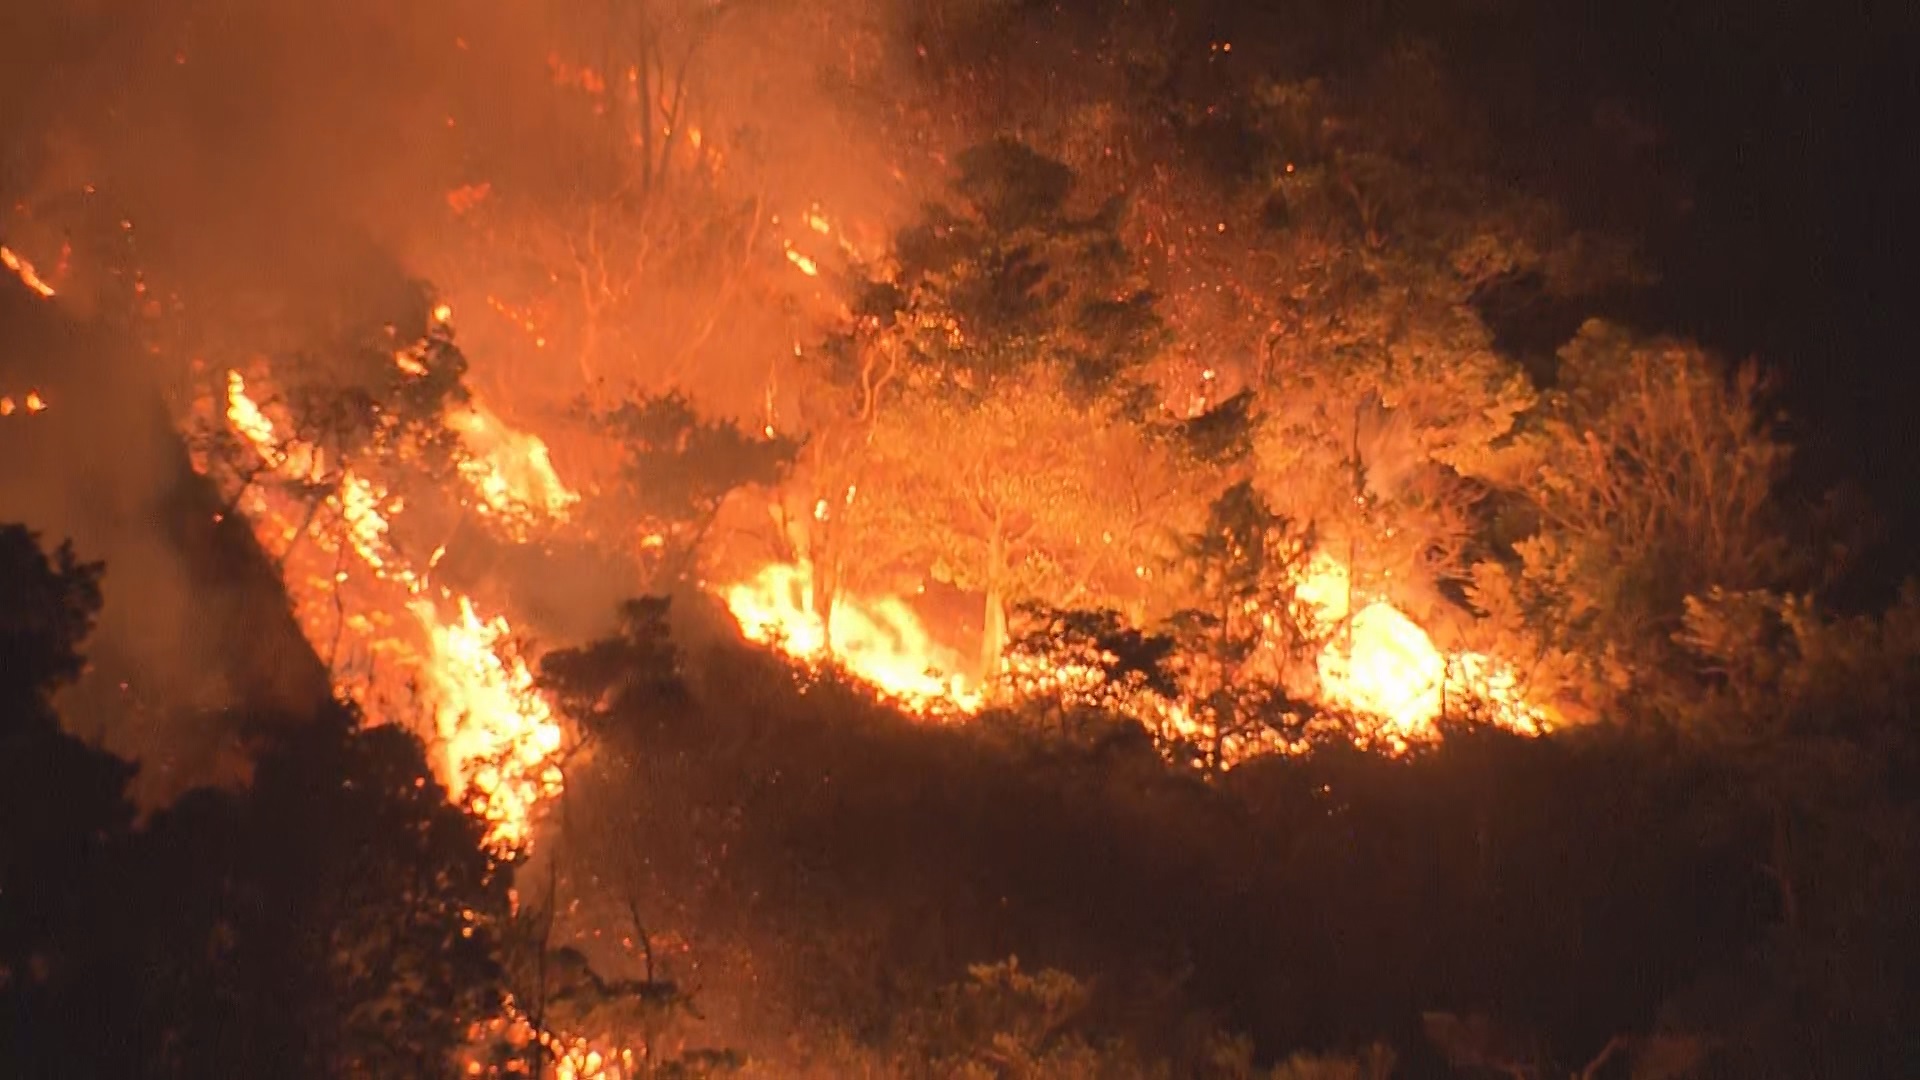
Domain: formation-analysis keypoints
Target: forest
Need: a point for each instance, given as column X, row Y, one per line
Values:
column 971, row 539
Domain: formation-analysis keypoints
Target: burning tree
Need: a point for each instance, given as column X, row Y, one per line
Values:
column 1006, row 340
column 356, row 484
column 617, row 246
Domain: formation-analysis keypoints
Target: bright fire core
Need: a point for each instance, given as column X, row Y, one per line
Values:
column 1381, row 665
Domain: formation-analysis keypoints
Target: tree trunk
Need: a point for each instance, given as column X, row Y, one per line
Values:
column 993, row 624
column 826, row 587
column 993, row 634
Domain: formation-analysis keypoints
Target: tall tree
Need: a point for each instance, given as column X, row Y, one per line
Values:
column 336, row 917
column 677, row 471
column 1249, row 632
column 1650, row 474
column 1020, row 494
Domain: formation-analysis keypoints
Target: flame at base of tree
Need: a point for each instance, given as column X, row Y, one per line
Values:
column 498, row 731
column 882, row 642
column 1381, row 668
column 1382, row 664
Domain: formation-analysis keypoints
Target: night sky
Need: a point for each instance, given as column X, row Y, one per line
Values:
column 1779, row 218
column 1793, row 123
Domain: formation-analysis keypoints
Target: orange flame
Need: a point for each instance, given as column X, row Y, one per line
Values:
column 1381, row 665
column 509, row 471
column 1384, row 665
column 498, row 733
column 882, row 641
column 31, row 404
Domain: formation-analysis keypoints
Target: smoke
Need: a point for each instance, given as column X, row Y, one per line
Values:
column 205, row 181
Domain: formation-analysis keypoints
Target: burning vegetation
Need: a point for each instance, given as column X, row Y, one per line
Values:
column 892, row 512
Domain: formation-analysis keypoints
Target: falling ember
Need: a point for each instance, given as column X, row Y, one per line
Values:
column 24, row 270
column 466, row 198
column 880, row 641
column 31, row 404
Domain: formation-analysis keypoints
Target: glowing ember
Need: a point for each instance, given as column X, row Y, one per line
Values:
column 31, row 404
column 249, row 422
column 24, row 270
column 806, row 266
column 467, row 197
column 880, row 641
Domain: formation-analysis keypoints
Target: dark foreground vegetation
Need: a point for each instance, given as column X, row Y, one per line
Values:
column 1662, row 888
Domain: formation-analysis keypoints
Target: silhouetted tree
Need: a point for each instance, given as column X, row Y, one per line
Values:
column 63, row 803
column 678, row 467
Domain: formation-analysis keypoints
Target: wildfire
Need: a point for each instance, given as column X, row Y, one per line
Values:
column 1381, row 664
column 24, row 270
column 497, row 734
column 509, row 471
column 499, row 740
column 880, row 641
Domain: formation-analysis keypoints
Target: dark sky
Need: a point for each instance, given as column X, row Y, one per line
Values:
column 1794, row 123
column 1790, row 125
